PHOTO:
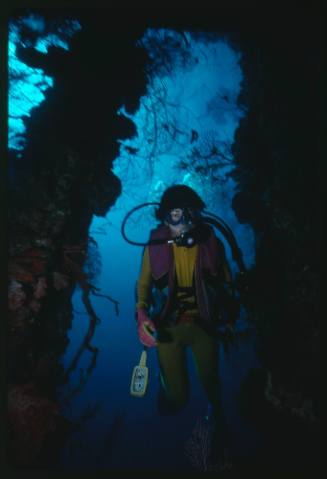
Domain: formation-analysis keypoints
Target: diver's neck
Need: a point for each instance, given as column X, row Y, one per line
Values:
column 177, row 230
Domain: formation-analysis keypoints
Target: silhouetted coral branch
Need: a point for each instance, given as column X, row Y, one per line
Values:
column 198, row 446
column 116, row 303
column 198, row 449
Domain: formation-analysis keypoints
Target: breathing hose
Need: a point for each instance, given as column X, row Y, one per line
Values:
column 209, row 218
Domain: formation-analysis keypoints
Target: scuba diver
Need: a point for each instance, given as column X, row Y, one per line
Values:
column 179, row 293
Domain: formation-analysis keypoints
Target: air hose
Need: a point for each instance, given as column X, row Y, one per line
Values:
column 209, row 218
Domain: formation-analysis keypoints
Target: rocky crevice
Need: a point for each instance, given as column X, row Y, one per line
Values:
column 63, row 178
column 277, row 151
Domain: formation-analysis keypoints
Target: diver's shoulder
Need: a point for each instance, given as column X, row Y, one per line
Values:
column 162, row 230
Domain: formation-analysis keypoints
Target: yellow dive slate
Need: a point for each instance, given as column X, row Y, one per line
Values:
column 140, row 376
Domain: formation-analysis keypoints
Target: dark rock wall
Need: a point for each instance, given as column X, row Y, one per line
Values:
column 62, row 180
column 278, row 153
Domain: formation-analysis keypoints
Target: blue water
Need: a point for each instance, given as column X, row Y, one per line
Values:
column 28, row 86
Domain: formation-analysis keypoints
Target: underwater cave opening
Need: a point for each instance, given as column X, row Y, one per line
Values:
column 184, row 134
column 185, row 128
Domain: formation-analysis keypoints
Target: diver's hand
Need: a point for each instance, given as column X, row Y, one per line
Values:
column 145, row 329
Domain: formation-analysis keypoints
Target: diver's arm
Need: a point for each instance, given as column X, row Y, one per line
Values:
column 144, row 282
column 227, row 274
column 145, row 327
column 227, row 278
column 225, row 271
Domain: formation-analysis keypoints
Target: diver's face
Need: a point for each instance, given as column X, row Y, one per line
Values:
column 176, row 214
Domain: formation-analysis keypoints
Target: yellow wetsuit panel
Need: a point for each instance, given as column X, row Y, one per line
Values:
column 184, row 265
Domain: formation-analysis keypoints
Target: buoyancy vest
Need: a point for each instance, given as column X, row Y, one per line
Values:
column 208, row 264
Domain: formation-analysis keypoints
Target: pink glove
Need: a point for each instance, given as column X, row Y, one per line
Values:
column 145, row 329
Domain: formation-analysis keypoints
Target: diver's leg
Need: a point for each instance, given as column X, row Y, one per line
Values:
column 173, row 370
column 205, row 354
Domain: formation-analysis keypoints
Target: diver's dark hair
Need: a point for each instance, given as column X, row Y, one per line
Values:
column 178, row 196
